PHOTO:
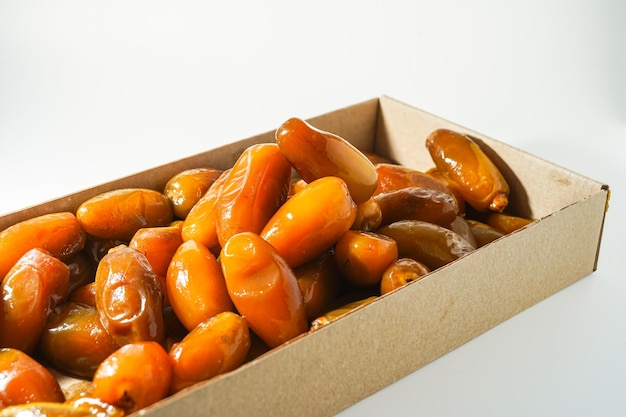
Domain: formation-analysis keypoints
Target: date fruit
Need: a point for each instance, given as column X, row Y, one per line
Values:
column 36, row 284
column 315, row 153
column 468, row 169
column 118, row 214
column 311, row 221
column 129, row 297
column 58, row 233
column 195, row 285
column 217, row 345
column 134, row 376
column 24, row 380
column 263, row 288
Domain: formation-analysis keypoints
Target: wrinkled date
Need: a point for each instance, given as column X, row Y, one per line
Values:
column 468, row 169
column 129, row 297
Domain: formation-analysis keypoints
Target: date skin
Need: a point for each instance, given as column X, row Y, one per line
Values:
column 217, row 345
column 118, row 214
column 201, row 222
column 428, row 243
column 400, row 273
column 129, row 297
column 75, row 341
column 311, row 221
column 320, row 282
column 78, row 408
column 263, row 288
column 416, row 203
column 256, row 187
column 158, row 244
column 195, row 285
column 483, row 233
column 134, row 376
column 24, row 380
column 362, row 257
column 36, row 284
column 468, row 169
column 338, row 312
column 394, row 177
column 507, row 223
column 187, row 187
column 58, row 233
column 315, row 153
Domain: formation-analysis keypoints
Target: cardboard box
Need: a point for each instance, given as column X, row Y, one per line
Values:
column 322, row 373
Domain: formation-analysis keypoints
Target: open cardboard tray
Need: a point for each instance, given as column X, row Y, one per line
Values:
column 322, row 373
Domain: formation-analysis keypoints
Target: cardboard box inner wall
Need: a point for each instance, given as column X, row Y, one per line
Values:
column 324, row 372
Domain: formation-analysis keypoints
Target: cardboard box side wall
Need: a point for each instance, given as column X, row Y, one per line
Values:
column 323, row 373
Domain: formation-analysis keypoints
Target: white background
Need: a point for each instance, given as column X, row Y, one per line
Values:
column 92, row 91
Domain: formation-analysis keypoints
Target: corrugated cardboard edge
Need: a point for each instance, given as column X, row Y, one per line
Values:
column 380, row 343
column 606, row 189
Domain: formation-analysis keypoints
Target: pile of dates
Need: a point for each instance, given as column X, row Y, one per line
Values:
column 143, row 293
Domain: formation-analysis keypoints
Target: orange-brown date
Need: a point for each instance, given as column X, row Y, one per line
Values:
column 336, row 313
column 85, row 294
column 129, row 297
column 118, row 214
column 463, row 229
column 319, row 281
column 195, row 285
column 263, row 288
column 295, row 185
column 187, row 187
column 201, row 222
column 35, row 285
column 394, row 177
column 433, row 172
column 74, row 340
column 369, row 216
column 134, row 376
column 417, row 203
column 315, row 153
column 428, row 243
column 95, row 406
column 507, row 223
column 217, row 345
column 468, row 169
column 362, row 257
column 58, row 233
column 256, row 187
column 400, row 273
column 483, row 233
column 158, row 244
column 311, row 221
column 64, row 409
column 24, row 380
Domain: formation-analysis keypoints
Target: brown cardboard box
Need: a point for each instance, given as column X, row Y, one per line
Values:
column 322, row 373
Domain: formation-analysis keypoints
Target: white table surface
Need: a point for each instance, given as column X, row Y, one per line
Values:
column 92, row 92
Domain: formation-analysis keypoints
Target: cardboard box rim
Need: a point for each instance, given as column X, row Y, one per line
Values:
column 327, row 371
